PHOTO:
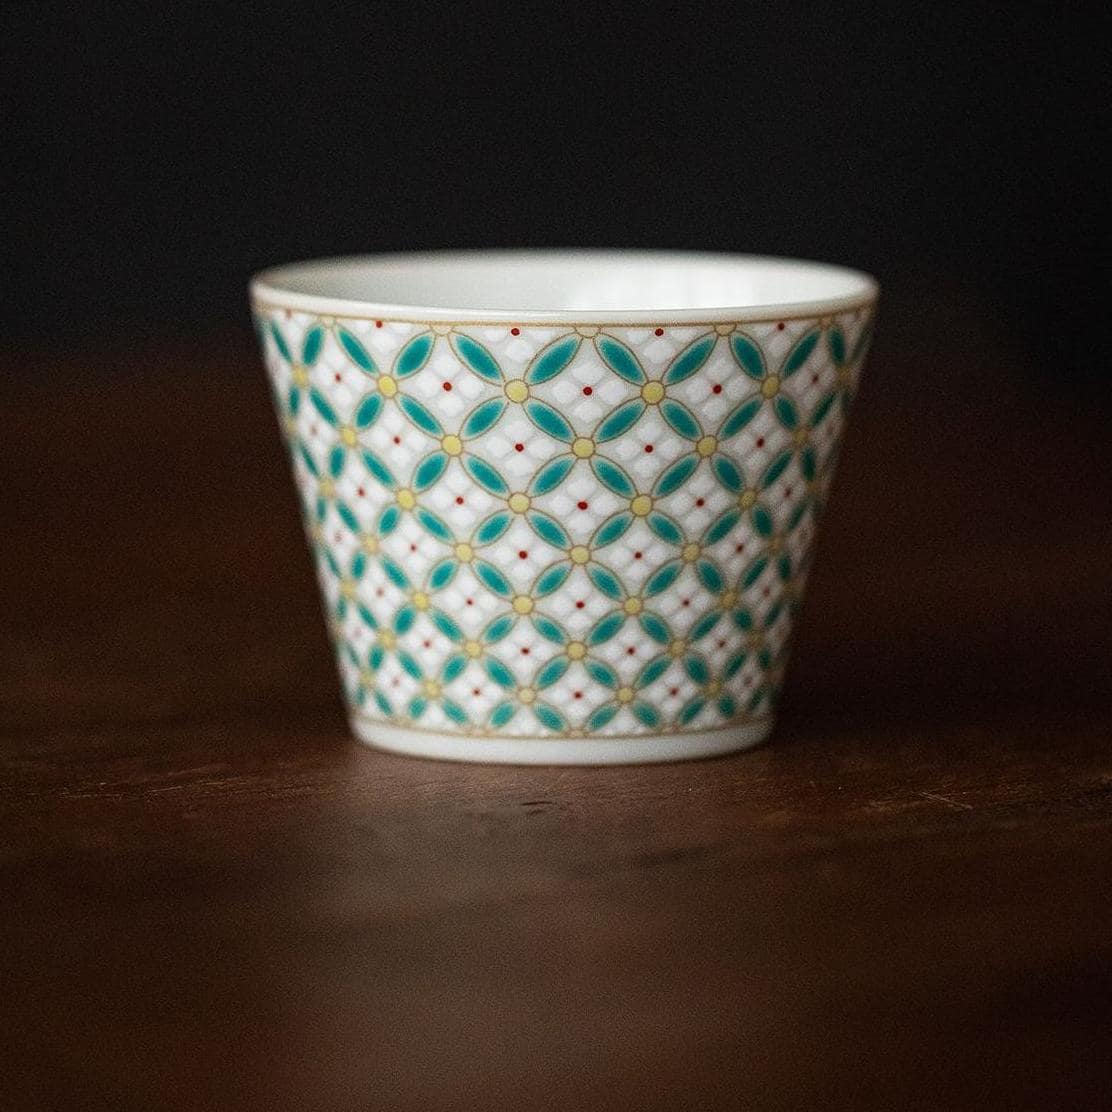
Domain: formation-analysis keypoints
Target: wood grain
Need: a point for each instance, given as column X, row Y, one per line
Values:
column 210, row 898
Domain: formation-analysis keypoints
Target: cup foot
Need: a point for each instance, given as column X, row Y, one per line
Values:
column 605, row 750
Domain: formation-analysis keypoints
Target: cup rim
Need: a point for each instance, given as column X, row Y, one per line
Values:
column 292, row 286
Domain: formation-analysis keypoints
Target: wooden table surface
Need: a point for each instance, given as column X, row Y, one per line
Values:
column 210, row 898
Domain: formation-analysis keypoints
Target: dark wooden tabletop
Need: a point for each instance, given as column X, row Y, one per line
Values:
column 211, row 898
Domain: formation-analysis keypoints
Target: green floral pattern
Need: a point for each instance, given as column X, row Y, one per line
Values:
column 561, row 531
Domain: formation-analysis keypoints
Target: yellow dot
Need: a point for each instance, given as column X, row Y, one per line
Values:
column 770, row 386
column 747, row 498
column 754, row 640
column 724, row 329
column 706, row 446
column 369, row 545
column 579, row 554
column 327, row 488
column 624, row 694
column 728, row 599
column 844, row 377
column 347, row 588
column 518, row 502
column 464, row 552
column 452, row 444
column 775, row 545
column 420, row 600
column 713, row 688
column 800, row 437
column 583, row 447
column 366, row 677
column 406, row 499
column 348, row 436
column 517, row 390
column 691, row 552
column 387, row 386
column 441, row 329
column 641, row 505
column 633, row 605
column 431, row 689
column 523, row 604
column 652, row 392
column 387, row 638
column 473, row 648
column 299, row 375
column 588, row 330
column 678, row 647
column 526, row 695
column 290, row 425
column 576, row 650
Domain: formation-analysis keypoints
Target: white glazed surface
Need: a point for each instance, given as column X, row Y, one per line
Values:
column 607, row 665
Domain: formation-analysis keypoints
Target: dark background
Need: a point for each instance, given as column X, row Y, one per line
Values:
column 163, row 152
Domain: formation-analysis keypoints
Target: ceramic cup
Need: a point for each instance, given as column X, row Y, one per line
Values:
column 562, row 503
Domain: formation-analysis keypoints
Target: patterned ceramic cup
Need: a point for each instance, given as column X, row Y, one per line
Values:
column 562, row 504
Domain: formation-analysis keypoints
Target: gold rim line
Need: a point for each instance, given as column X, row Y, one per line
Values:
column 733, row 724
column 855, row 307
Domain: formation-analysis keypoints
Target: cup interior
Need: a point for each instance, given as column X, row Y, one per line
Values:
column 566, row 285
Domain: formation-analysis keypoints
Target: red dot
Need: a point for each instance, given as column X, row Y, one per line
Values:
column 716, row 388
column 378, row 324
column 515, row 331
column 519, row 447
column 313, row 429
column 580, row 604
column 648, row 447
column 760, row 441
column 338, row 377
column 577, row 695
column 673, row 691
column 337, row 536
column 582, row 505
column 721, row 644
column 814, row 379
column 739, row 548
column 658, row 332
column 379, row 593
column 523, row 555
column 397, row 439
column 470, row 602
column 780, row 326
column 396, row 681
column 766, row 592
column 588, row 391
column 474, row 691
column 412, row 548
column 459, row 499
column 700, row 501
column 748, row 681
column 362, row 493
column 787, row 492
column 630, row 651
column 637, row 555
column 525, row 650
column 427, row 644
column 687, row 602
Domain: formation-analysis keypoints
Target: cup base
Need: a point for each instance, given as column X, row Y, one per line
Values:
column 614, row 750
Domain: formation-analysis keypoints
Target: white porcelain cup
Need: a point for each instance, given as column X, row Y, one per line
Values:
column 562, row 503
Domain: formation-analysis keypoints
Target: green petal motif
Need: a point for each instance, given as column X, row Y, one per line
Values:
column 536, row 530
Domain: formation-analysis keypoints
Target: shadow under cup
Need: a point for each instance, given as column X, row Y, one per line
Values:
column 562, row 504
